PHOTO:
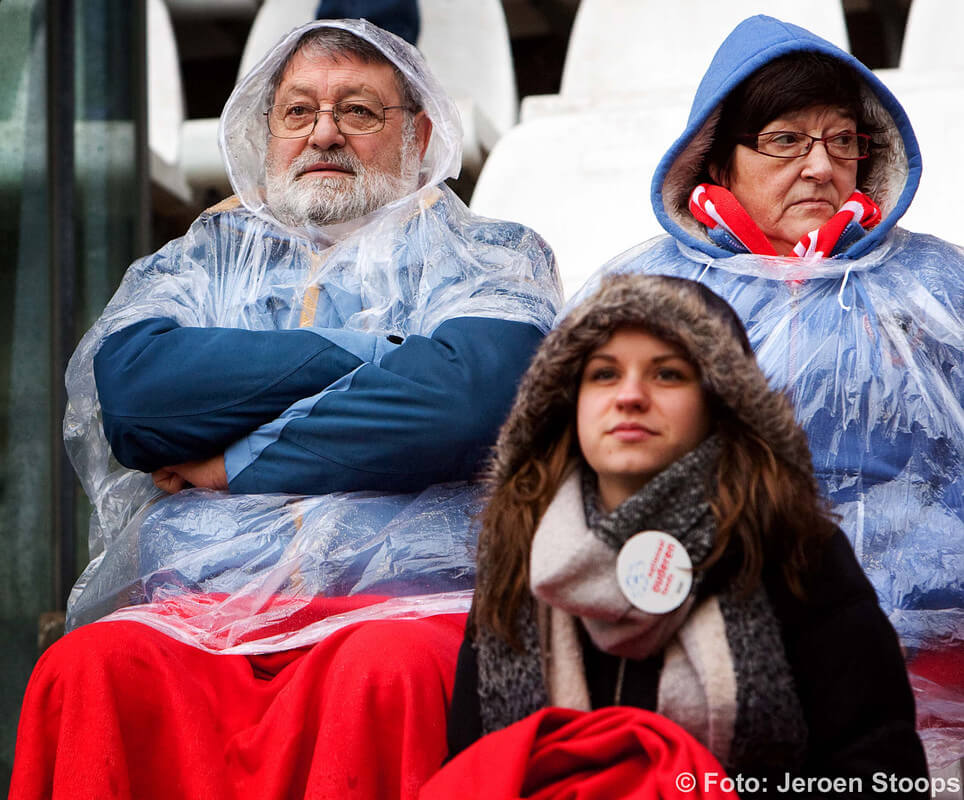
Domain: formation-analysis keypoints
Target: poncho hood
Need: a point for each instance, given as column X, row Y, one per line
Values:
column 895, row 170
column 243, row 136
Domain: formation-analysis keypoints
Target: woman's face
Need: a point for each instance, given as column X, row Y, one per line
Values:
column 641, row 407
column 789, row 197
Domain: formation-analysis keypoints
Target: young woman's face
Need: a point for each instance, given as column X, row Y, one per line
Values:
column 640, row 408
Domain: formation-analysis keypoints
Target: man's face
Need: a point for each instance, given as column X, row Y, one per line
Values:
column 328, row 177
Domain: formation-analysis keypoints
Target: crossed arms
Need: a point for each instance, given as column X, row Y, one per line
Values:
column 292, row 411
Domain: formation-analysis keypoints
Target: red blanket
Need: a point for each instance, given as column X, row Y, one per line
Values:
column 119, row 710
column 609, row 754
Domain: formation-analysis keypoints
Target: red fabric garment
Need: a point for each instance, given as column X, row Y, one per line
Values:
column 937, row 677
column 820, row 243
column 117, row 709
column 608, row 754
column 715, row 206
column 942, row 664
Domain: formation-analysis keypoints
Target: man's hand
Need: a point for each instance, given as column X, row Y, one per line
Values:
column 207, row 474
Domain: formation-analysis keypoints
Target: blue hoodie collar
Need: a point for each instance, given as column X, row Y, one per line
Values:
column 754, row 43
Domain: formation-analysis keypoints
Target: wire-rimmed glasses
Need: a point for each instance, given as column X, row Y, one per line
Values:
column 352, row 118
column 847, row 146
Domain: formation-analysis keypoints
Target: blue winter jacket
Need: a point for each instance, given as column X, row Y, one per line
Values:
column 322, row 407
column 870, row 343
column 353, row 375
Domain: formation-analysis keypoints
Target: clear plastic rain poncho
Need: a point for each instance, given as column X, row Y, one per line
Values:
column 871, row 346
column 233, row 572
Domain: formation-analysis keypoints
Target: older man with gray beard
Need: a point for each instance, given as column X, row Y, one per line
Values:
column 340, row 163
column 331, row 352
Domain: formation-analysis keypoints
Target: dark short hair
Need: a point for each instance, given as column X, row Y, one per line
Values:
column 336, row 44
column 787, row 84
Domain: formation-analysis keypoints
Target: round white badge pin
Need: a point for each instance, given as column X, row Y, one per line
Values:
column 654, row 572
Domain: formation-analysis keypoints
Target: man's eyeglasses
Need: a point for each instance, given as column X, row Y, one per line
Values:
column 352, row 118
column 794, row 144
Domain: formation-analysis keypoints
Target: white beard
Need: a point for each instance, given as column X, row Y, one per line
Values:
column 329, row 200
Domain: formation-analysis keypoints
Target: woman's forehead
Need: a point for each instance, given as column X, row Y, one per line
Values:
column 632, row 339
column 814, row 116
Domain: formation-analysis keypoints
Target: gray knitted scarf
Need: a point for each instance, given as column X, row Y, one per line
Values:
column 725, row 676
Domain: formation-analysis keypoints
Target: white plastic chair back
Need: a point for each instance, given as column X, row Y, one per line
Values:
column 627, row 47
column 587, row 194
column 933, row 35
column 273, row 20
column 467, row 46
column 165, row 97
column 165, row 103
column 934, row 101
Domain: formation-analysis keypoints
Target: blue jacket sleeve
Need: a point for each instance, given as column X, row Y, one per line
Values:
column 170, row 394
column 427, row 413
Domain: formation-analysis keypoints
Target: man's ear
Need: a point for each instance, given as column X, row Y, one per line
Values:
column 423, row 132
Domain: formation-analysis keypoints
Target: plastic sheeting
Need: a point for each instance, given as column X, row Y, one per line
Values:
column 871, row 348
column 243, row 136
column 224, row 572
column 872, row 351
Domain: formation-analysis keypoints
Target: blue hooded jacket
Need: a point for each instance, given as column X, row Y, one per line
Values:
column 754, row 43
column 869, row 343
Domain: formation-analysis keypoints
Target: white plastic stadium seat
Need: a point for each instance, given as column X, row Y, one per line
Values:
column 930, row 86
column 465, row 44
column 467, row 47
column 589, row 202
column 626, row 47
column 165, row 102
column 932, row 37
column 273, row 20
column 934, row 102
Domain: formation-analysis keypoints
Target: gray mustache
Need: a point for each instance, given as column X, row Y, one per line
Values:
column 337, row 157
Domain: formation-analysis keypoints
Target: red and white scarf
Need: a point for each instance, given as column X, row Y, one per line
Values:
column 720, row 211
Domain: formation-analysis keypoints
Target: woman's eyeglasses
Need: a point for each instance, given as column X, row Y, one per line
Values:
column 794, row 144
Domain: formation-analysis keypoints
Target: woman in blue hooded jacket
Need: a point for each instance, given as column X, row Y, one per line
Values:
column 783, row 196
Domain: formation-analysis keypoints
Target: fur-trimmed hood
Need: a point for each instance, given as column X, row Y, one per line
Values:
column 895, row 169
column 675, row 309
